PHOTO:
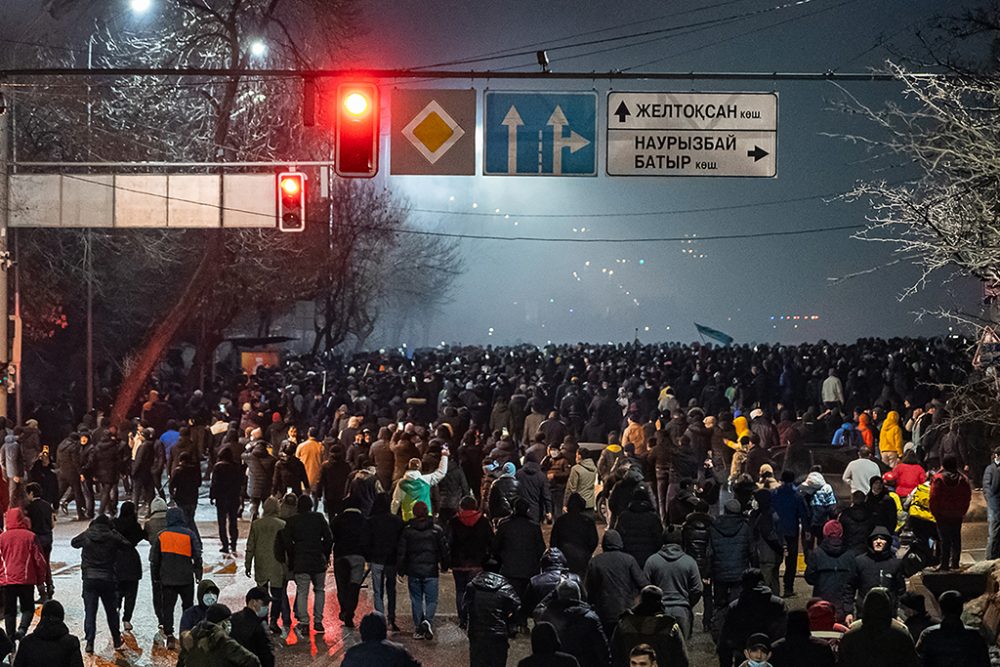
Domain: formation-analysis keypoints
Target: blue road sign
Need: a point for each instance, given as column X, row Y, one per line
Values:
column 540, row 134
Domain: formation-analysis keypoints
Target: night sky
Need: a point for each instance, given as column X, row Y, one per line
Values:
column 537, row 292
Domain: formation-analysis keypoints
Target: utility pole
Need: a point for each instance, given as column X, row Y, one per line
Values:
column 4, row 263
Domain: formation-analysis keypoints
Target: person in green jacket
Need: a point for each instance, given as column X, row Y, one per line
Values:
column 415, row 487
column 269, row 572
column 583, row 480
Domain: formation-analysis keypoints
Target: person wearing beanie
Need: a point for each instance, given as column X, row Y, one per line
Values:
column 502, row 493
column 913, row 609
column 576, row 624
column 545, row 651
column 416, row 486
column 375, row 649
column 640, row 526
column 248, row 626
column 829, row 568
column 306, row 543
column 208, row 644
column 798, row 648
column 756, row 610
column 952, row 642
column 647, row 623
column 613, row 580
column 100, row 545
column 676, row 574
column 731, row 548
column 878, row 639
column 423, row 552
column 267, row 571
column 49, row 644
column 518, row 546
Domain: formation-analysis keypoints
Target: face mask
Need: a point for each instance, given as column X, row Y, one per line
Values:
column 210, row 599
column 262, row 612
column 758, row 663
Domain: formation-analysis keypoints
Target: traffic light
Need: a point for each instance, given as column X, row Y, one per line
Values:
column 357, row 130
column 291, row 201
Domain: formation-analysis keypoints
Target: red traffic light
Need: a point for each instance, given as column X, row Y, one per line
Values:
column 291, row 201
column 357, row 130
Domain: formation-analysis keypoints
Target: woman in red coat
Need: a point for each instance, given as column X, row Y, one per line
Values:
column 906, row 476
column 950, row 497
column 22, row 567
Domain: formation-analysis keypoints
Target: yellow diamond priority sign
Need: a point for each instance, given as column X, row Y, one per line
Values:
column 432, row 132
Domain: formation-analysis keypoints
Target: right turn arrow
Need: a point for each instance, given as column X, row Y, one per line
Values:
column 757, row 153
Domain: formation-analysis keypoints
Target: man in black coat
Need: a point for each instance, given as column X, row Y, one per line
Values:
column 577, row 626
column 696, row 538
column 423, row 553
column 553, row 570
column 100, row 544
column 68, row 465
column 333, row 480
column 247, row 626
column 798, row 648
column 382, row 531
column 375, row 650
column 490, row 605
column 49, row 644
column 640, row 527
column 613, row 581
column 533, row 486
column 648, row 623
column 348, row 558
column 755, row 610
column 304, row 544
column 952, row 642
column 469, row 536
column 224, row 491
column 877, row 567
column 731, row 553
column 142, row 470
column 518, row 546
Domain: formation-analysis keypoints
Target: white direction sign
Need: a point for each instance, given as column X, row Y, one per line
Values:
column 692, row 134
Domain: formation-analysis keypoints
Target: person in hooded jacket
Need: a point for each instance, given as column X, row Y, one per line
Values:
column 951, row 494
column 332, row 485
column 224, row 492
column 363, row 486
column 503, row 492
column 206, row 595
column 143, row 461
column 289, row 472
column 268, row 571
column 185, row 482
column 68, row 459
column 518, row 546
column 878, row 639
column 798, row 648
column 613, row 580
column 553, row 570
column 822, row 505
column 857, row 522
column 755, row 610
column 175, row 562
column 100, row 545
column 696, row 541
column 648, row 623
column 469, row 536
column 155, row 523
column 731, row 548
column 890, row 440
column 50, row 643
column 640, row 526
column 451, row 489
column 829, row 569
column 415, row 487
column 907, row 475
column 260, row 473
column 304, row 545
column 676, row 574
column 952, row 642
column 247, row 626
column 423, row 553
column 884, row 504
column 533, row 486
column 375, row 650
column 575, row 534
column 583, row 480
column 381, row 534
column 577, row 626
column 128, row 566
column 545, row 651
column 877, row 567
column 348, row 529
column 791, row 513
column 208, row 644
column 490, row 607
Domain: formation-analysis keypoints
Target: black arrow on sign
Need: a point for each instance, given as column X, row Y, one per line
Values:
column 622, row 112
column 757, row 153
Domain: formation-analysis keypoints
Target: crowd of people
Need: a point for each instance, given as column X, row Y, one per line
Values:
column 693, row 468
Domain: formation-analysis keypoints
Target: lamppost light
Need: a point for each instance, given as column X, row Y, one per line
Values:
column 258, row 48
column 140, row 6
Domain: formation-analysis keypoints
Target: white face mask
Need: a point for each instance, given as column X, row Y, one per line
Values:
column 210, row 599
column 262, row 612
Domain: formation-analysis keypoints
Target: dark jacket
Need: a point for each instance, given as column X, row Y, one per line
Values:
column 469, row 536
column 878, row 640
column 128, row 566
column 185, row 481
column 640, row 529
column 248, row 629
column 348, row 531
column 732, row 547
column 68, row 457
column 102, row 462
column 208, row 645
column 553, row 570
column 50, row 644
column 305, row 543
column 829, row 569
column 502, row 494
column 453, row 487
column 422, row 549
column 332, row 486
column 952, row 643
column 227, row 484
column 490, row 602
column 175, row 555
column 289, row 474
column 858, row 522
column 676, row 574
column 101, row 545
column 518, row 546
column 384, row 461
column 533, row 486
column 613, row 579
column 144, row 461
column 802, row 652
column 260, row 470
column 579, row 629
column 878, row 570
column 696, row 537
column 790, row 510
column 575, row 534
column 382, row 531
column 377, row 651
column 656, row 628
column 756, row 610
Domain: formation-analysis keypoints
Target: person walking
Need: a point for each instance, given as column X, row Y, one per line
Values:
column 575, row 534
column 792, row 516
column 304, row 546
column 518, row 546
column 155, row 524
column 577, row 625
column 185, row 481
column 68, row 471
column 41, row 516
column 128, row 566
column 247, row 626
column 268, row 571
column 545, row 651
column 348, row 558
column 583, row 480
column 415, row 487
column 311, row 453
column 553, row 570
column 647, row 623
column 142, row 465
column 381, row 534
column 756, row 610
column 877, row 567
column 878, row 639
column 260, row 473
column 859, row 472
column 991, row 492
column 375, row 650
column 423, row 549
column 208, row 644
column 334, row 477
column 224, row 492
column 469, row 535
column 490, row 606
column 206, row 595
column 676, row 574
column 175, row 562
column 100, row 545
column 613, row 580
column 22, row 567
column 951, row 494
column 798, row 648
column 640, row 526
column 14, row 469
column 951, row 642
column 731, row 548
column 696, row 541
column 50, row 643
column 830, row 567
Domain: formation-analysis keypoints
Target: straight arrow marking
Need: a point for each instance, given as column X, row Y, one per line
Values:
column 512, row 120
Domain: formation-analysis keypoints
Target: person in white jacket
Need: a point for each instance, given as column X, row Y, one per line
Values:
column 415, row 486
column 860, row 471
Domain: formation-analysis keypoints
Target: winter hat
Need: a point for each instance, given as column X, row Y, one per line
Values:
column 759, row 640
column 304, row 504
column 53, row 611
column 733, row 506
column 373, row 627
column 833, row 529
column 509, row 469
column 909, row 447
column 651, row 596
column 158, row 505
column 756, row 412
column 567, row 590
column 217, row 613
column 671, row 535
column 420, row 510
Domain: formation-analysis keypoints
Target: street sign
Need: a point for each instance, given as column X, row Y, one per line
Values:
column 692, row 134
column 987, row 349
column 540, row 134
column 433, row 132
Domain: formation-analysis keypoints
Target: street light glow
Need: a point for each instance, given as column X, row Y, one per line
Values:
column 258, row 48
column 140, row 6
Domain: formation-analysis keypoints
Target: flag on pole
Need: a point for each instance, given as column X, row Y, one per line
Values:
column 714, row 334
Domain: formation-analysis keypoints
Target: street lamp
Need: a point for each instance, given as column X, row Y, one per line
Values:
column 140, row 6
column 258, row 49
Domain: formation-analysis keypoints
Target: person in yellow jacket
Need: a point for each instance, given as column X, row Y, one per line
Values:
column 890, row 441
column 921, row 521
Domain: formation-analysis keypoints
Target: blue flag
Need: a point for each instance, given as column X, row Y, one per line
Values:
column 714, row 334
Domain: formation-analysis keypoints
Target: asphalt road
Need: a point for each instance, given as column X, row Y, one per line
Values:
column 449, row 646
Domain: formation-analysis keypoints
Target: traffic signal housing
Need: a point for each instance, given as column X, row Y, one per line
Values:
column 291, row 201
column 357, row 130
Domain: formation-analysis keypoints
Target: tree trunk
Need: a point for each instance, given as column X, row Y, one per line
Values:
column 165, row 331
